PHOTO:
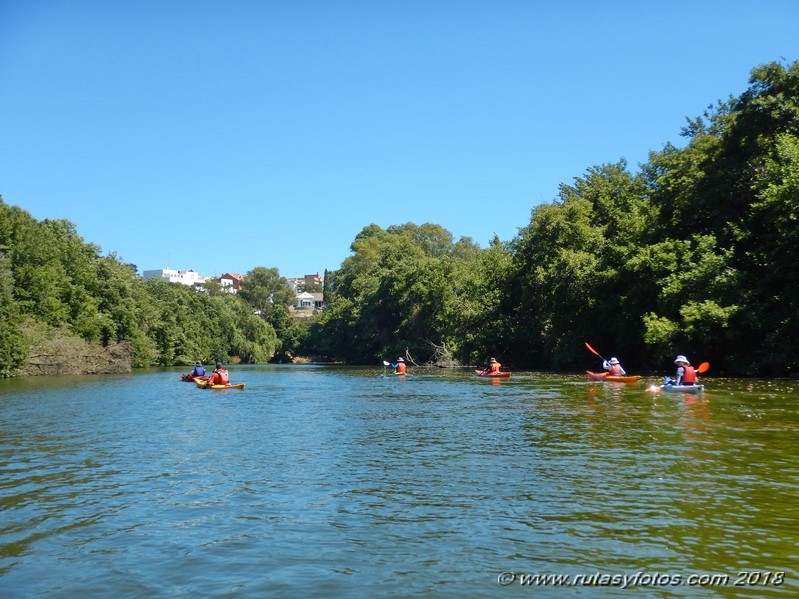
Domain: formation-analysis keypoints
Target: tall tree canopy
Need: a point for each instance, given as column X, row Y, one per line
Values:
column 695, row 253
column 410, row 289
column 264, row 289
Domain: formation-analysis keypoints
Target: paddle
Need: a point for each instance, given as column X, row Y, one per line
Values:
column 596, row 353
column 593, row 351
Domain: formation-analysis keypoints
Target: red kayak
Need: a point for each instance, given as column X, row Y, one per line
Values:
column 493, row 375
column 187, row 378
column 604, row 376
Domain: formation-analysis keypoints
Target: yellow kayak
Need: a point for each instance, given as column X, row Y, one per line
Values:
column 205, row 385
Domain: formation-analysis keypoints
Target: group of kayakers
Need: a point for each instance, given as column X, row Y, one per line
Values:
column 493, row 366
column 685, row 375
column 219, row 376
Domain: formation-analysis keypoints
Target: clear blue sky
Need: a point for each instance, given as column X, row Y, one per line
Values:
column 221, row 136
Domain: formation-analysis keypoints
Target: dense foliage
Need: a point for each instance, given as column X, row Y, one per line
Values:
column 55, row 287
column 696, row 252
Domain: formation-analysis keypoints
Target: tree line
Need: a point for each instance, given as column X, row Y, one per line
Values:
column 65, row 308
column 695, row 252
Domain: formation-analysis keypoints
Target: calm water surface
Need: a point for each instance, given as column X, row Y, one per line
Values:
column 322, row 481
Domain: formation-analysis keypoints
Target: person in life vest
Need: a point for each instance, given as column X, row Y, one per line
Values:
column 686, row 374
column 220, row 376
column 613, row 367
column 399, row 367
column 493, row 366
column 198, row 370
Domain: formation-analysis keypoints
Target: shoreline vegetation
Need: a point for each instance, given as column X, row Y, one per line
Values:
column 695, row 252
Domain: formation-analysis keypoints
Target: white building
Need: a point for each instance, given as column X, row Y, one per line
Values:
column 187, row 277
column 304, row 300
column 309, row 300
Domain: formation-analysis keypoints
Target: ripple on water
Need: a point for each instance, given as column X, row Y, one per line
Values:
column 342, row 482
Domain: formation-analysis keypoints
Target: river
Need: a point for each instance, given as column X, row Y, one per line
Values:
column 327, row 481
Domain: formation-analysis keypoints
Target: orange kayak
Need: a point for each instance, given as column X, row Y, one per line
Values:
column 603, row 376
column 493, row 375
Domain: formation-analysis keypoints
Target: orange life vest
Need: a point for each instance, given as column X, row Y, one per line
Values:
column 220, row 377
column 689, row 376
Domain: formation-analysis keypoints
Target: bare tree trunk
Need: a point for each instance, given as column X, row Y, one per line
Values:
column 442, row 357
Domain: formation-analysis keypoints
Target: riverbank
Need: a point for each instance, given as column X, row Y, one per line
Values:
column 56, row 352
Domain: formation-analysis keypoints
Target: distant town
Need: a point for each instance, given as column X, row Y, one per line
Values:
column 231, row 282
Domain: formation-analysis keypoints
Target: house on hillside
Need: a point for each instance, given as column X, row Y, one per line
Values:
column 309, row 300
column 231, row 282
column 304, row 300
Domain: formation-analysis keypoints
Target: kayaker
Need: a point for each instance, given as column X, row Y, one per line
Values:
column 198, row 370
column 219, row 376
column 613, row 366
column 399, row 367
column 493, row 366
column 686, row 374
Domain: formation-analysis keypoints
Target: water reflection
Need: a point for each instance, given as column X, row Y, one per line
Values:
column 370, row 483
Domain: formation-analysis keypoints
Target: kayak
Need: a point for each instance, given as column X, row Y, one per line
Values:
column 677, row 388
column 493, row 375
column 205, row 385
column 604, row 376
column 187, row 378
column 683, row 388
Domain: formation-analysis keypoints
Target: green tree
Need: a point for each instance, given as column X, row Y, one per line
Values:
column 254, row 340
column 772, row 273
column 291, row 333
column 13, row 347
column 213, row 287
column 568, row 265
column 410, row 289
column 723, row 194
column 475, row 320
column 264, row 289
